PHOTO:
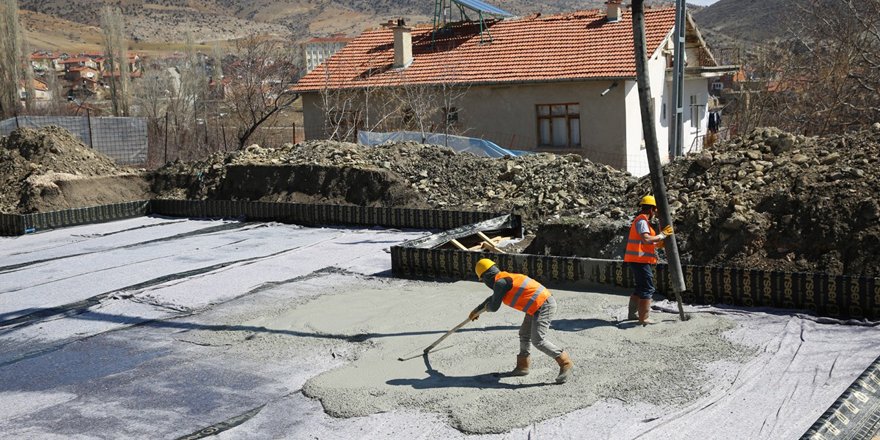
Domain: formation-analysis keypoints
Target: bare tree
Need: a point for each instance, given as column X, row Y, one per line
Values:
column 218, row 55
column 11, row 57
column 825, row 77
column 362, row 106
column 56, row 96
column 430, row 107
column 400, row 104
column 28, row 74
column 261, row 76
column 152, row 97
column 419, row 106
column 113, row 29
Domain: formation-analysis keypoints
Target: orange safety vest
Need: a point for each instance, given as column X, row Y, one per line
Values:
column 526, row 294
column 637, row 249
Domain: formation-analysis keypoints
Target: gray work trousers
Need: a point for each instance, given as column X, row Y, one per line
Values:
column 534, row 330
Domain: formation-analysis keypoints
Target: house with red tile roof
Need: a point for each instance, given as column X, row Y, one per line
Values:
column 77, row 73
column 562, row 83
column 41, row 90
column 77, row 63
column 45, row 61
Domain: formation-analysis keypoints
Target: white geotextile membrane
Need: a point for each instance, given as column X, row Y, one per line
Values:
column 159, row 328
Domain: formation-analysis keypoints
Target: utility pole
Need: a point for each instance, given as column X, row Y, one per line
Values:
column 657, row 183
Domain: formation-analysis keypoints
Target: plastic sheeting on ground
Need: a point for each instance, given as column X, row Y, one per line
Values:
column 461, row 144
column 157, row 327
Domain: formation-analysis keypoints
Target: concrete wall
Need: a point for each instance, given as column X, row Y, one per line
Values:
column 313, row 116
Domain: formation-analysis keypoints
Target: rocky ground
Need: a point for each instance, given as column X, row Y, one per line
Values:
column 768, row 200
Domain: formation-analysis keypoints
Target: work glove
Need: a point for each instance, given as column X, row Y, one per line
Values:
column 475, row 313
column 667, row 231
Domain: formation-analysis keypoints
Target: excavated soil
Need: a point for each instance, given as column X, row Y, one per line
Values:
column 766, row 200
column 50, row 169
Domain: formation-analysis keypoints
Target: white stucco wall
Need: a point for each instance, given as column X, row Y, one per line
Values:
column 637, row 159
column 692, row 136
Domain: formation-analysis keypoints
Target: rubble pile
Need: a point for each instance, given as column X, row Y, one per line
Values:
column 773, row 200
column 536, row 186
column 768, row 200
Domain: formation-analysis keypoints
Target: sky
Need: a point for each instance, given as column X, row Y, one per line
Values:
column 702, row 2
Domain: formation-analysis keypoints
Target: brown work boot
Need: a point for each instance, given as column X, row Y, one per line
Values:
column 644, row 309
column 565, row 366
column 522, row 366
column 633, row 308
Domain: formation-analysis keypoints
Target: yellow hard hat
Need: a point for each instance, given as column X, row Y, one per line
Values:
column 483, row 265
column 648, row 200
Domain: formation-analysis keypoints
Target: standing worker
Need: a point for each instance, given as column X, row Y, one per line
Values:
column 529, row 296
column 641, row 254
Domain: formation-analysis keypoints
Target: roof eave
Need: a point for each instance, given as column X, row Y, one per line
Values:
column 712, row 71
column 484, row 83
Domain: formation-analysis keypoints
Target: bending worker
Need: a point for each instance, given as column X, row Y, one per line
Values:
column 529, row 296
column 641, row 254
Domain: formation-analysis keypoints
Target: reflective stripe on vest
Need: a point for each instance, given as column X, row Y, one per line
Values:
column 637, row 249
column 526, row 294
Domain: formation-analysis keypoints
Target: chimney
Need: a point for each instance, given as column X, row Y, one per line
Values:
column 614, row 10
column 403, row 56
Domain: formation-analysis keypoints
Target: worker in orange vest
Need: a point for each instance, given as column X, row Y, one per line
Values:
column 528, row 296
column 641, row 254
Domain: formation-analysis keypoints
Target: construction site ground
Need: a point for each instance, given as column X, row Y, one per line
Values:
column 176, row 328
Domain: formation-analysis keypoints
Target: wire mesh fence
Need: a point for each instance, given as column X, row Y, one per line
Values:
column 172, row 139
column 151, row 142
column 124, row 140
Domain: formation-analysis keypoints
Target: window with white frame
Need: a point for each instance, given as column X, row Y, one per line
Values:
column 695, row 112
column 559, row 125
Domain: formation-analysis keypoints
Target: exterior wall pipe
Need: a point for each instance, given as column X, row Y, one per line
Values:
column 656, row 173
column 677, row 137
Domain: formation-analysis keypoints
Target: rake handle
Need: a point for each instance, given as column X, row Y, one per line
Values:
column 454, row 329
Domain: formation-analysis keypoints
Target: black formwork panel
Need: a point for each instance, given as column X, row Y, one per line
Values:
column 314, row 214
column 836, row 296
column 19, row 224
column 855, row 415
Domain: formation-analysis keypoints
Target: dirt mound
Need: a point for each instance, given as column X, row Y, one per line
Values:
column 773, row 200
column 769, row 200
column 403, row 174
column 37, row 166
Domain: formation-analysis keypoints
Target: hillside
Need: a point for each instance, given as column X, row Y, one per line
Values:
column 743, row 22
column 166, row 21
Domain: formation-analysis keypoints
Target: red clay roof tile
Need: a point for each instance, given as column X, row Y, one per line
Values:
column 579, row 45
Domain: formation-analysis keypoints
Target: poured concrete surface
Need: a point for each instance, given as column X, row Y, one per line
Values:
column 461, row 378
column 165, row 328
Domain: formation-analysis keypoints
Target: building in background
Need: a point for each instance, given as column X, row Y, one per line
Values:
column 316, row 50
column 563, row 83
